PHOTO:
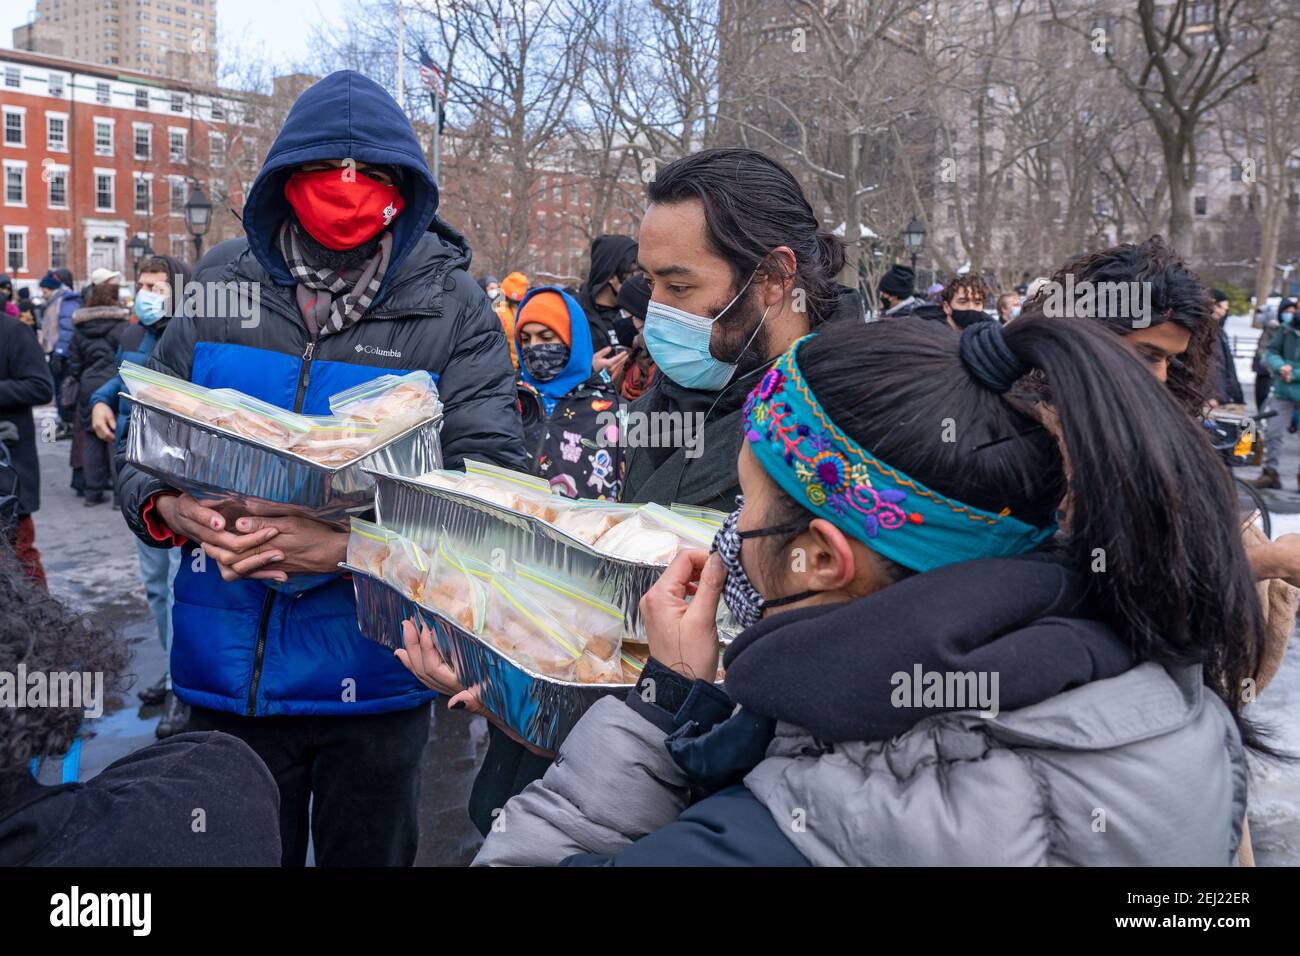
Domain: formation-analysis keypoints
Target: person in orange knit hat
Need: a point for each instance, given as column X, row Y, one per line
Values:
column 513, row 289
column 567, row 409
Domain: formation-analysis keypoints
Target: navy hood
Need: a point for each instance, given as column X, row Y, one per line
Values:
column 346, row 115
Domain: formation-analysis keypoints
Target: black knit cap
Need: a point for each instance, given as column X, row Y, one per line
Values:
column 898, row 281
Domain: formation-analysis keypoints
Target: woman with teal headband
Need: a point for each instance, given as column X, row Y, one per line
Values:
column 929, row 673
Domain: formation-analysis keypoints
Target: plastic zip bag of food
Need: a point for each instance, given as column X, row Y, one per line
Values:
column 442, row 478
column 168, row 391
column 707, row 516
column 407, row 568
column 520, row 628
column 368, row 546
column 455, row 589
column 587, row 519
column 654, row 535
column 330, row 440
column 260, row 421
column 515, row 490
column 392, row 403
column 597, row 622
column 631, row 664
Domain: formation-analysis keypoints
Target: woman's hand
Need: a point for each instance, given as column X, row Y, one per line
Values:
column 301, row 546
column 421, row 658
column 684, row 636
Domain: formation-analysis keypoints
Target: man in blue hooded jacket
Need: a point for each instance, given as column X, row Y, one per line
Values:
column 347, row 274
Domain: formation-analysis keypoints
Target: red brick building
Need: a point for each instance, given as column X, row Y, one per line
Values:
column 93, row 156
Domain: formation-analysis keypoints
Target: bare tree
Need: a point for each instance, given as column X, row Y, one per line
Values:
column 1193, row 56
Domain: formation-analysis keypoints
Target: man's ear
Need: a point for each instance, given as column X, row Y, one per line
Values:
column 778, row 274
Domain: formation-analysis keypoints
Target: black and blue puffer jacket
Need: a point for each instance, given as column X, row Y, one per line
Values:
column 251, row 649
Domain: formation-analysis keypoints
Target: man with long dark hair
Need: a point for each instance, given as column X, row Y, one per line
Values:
column 739, row 268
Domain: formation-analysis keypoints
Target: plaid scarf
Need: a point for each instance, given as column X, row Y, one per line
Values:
column 322, row 294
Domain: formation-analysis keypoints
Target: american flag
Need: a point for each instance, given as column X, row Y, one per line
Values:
column 431, row 76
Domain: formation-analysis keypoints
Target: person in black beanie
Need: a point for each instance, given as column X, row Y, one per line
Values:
column 639, row 370
column 895, row 290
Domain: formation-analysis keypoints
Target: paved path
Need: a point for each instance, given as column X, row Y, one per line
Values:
column 90, row 559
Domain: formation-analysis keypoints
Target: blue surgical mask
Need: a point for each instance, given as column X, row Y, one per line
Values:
column 1015, row 312
column 149, row 306
column 678, row 341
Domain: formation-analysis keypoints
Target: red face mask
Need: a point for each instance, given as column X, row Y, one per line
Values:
column 341, row 213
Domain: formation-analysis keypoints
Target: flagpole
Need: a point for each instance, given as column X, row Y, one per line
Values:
column 437, row 138
column 401, row 39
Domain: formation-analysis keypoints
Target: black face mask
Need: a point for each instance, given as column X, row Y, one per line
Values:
column 544, row 362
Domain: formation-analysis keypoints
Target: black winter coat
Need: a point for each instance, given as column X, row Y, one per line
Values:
column 24, row 382
column 92, row 356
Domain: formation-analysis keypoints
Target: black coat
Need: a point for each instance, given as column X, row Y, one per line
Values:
column 1227, row 388
column 24, row 382
column 92, row 356
column 665, row 475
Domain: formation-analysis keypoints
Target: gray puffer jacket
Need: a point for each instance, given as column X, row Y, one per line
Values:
column 1123, row 766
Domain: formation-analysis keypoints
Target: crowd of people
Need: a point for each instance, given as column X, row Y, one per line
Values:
column 973, row 547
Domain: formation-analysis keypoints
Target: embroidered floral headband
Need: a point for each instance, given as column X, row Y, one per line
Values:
column 828, row 473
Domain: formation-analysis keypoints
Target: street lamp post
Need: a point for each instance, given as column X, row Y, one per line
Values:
column 914, row 239
column 136, row 248
column 198, row 216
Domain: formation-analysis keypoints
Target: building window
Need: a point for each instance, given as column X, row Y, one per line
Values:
column 143, row 141
column 56, row 84
column 176, row 145
column 178, row 103
column 217, row 150
column 180, row 248
column 142, row 99
column 15, row 251
column 58, row 196
column 56, row 133
column 15, row 184
column 58, row 250
column 218, row 111
column 1200, row 204
column 15, row 127
column 103, row 138
column 13, row 77
column 103, row 192
column 1236, row 173
column 102, row 94
column 176, row 196
column 143, row 196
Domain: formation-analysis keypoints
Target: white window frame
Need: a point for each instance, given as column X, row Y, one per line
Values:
column 111, row 123
column 49, row 142
column 135, row 133
column 15, row 231
column 21, row 166
column 135, row 193
column 185, row 144
column 52, row 233
column 106, row 89
column 14, row 71
column 136, row 99
column 52, row 170
column 213, row 139
column 112, row 179
column 21, row 112
column 172, row 183
column 58, row 84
